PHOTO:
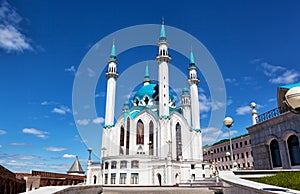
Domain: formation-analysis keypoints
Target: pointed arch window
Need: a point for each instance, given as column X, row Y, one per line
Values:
column 140, row 132
column 127, row 135
column 178, row 142
column 122, row 136
column 151, row 138
column 294, row 150
column 275, row 153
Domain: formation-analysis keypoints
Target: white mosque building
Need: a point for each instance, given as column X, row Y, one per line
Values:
column 155, row 141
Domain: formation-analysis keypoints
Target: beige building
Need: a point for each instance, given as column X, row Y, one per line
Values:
column 219, row 153
column 275, row 136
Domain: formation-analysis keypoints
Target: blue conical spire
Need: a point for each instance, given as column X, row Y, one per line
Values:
column 113, row 52
column 163, row 36
column 146, row 76
column 192, row 60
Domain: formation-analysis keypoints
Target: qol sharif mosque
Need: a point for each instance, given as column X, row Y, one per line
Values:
column 154, row 142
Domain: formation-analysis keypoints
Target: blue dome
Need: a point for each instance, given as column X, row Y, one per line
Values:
column 151, row 91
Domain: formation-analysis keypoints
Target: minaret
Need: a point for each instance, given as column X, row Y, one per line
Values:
column 163, row 74
column 194, row 81
column 112, row 76
column 146, row 76
column 196, row 149
column 186, row 104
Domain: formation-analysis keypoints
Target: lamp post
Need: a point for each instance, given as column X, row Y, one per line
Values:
column 228, row 121
column 292, row 99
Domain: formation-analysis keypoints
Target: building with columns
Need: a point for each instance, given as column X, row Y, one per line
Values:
column 154, row 141
column 275, row 135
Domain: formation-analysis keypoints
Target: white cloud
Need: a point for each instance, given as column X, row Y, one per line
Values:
column 55, row 149
column 243, row 110
column 61, row 110
column 206, row 104
column 44, row 103
column 272, row 100
column 98, row 120
column 2, row 132
column 100, row 95
column 212, row 135
column 11, row 37
column 37, row 133
column 279, row 74
column 69, row 156
column 71, row 69
column 230, row 80
column 271, row 70
column 83, row 121
column 17, row 144
column 0, row 146
column 288, row 77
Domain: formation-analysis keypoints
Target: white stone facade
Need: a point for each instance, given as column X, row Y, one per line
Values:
column 154, row 142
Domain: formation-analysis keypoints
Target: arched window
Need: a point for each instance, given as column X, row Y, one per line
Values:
column 294, row 150
column 140, row 132
column 122, row 133
column 178, row 142
column 95, row 179
column 275, row 153
column 127, row 135
column 151, row 138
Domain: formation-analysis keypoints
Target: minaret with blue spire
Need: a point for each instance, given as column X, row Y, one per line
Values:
column 112, row 76
column 195, row 109
column 163, row 60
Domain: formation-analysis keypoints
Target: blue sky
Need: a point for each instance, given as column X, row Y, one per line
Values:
column 42, row 43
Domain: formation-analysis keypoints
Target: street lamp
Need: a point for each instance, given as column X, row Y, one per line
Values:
column 292, row 99
column 228, row 121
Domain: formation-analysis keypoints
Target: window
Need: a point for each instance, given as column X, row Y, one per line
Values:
column 113, row 165
column 113, row 178
column 122, row 136
column 95, row 179
column 236, row 145
column 123, row 178
column 221, row 149
column 106, row 165
column 134, row 164
column 241, row 144
column 106, row 179
column 275, row 153
column 178, row 142
column 224, row 148
column 123, row 164
column 246, row 142
column 193, row 177
column 247, row 155
column 242, row 155
column 249, row 141
column 238, row 156
column 218, row 150
column 294, row 150
column 127, row 136
column 192, row 166
column 151, row 138
column 140, row 132
column 134, row 178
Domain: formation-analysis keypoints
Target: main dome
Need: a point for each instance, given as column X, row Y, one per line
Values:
column 149, row 95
